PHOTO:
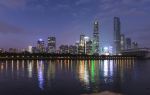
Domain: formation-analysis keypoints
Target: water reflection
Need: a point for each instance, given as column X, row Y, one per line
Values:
column 30, row 67
column 108, row 70
column 84, row 73
column 93, row 75
column 40, row 68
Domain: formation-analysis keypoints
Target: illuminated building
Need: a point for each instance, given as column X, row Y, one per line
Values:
column 72, row 49
column 81, row 44
column 82, row 40
column 30, row 50
column 128, row 43
column 89, row 47
column 117, row 38
column 110, row 48
column 1, row 50
column 40, row 46
column 107, row 50
column 81, row 49
column 95, row 44
column 122, row 42
column 51, row 45
column 77, row 46
column 64, row 49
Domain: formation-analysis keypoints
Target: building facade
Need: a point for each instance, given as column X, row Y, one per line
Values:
column 122, row 42
column 81, row 47
column 51, row 46
column 64, row 49
column 72, row 49
column 134, row 45
column 117, row 36
column 128, row 43
column 40, row 46
column 30, row 49
column 89, row 47
column 95, row 44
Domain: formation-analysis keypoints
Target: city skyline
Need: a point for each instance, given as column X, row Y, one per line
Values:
column 23, row 22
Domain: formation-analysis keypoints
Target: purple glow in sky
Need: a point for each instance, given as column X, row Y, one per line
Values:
column 23, row 22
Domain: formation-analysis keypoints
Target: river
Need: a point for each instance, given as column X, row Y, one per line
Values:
column 74, row 77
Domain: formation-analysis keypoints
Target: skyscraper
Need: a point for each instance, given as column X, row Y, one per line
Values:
column 41, row 46
column 89, row 47
column 122, row 42
column 30, row 49
column 95, row 45
column 51, row 45
column 81, row 44
column 77, row 45
column 128, row 43
column 82, row 40
column 117, row 36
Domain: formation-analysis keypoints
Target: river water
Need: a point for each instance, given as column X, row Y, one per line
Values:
column 74, row 77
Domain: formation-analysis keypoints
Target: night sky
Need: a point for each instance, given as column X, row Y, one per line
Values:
column 23, row 22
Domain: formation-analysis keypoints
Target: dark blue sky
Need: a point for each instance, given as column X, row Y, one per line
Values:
column 23, row 22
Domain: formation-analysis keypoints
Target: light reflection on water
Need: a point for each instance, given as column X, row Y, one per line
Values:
column 40, row 68
column 89, row 75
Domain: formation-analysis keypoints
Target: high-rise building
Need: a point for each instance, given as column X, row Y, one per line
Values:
column 134, row 45
column 30, row 49
column 81, row 45
column 40, row 46
column 122, row 42
column 72, row 49
column 128, row 43
column 82, row 40
column 117, row 36
column 51, row 47
column 95, row 44
column 64, row 49
column 89, row 47
column 77, row 45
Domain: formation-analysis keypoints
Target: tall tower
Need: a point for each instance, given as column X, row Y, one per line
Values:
column 117, row 36
column 95, row 46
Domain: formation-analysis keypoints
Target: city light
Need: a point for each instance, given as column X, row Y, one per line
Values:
column 40, row 39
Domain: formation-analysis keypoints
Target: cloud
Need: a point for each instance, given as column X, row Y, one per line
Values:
column 135, row 1
column 80, row 2
column 8, row 28
column 61, row 7
column 13, row 3
column 123, row 7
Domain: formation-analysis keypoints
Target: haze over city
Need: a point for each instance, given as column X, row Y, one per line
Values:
column 23, row 22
